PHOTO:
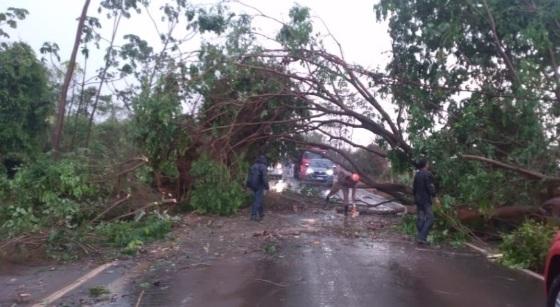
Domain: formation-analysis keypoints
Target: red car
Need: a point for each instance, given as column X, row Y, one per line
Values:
column 301, row 165
column 552, row 273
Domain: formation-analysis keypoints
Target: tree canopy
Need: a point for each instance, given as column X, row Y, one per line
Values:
column 26, row 99
column 472, row 85
column 478, row 78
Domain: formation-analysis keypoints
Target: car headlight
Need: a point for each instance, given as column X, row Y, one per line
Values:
column 309, row 171
column 330, row 172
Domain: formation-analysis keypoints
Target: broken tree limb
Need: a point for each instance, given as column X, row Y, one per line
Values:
column 154, row 204
column 31, row 239
column 111, row 207
column 455, row 224
column 334, row 137
column 523, row 171
column 132, row 168
column 108, row 170
column 381, row 203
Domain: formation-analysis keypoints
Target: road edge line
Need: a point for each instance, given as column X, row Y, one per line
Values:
column 487, row 254
column 476, row 248
column 531, row 273
column 75, row 284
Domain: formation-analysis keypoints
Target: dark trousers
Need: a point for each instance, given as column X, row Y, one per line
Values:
column 257, row 207
column 424, row 220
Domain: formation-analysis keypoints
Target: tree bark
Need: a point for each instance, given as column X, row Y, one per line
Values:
column 61, row 109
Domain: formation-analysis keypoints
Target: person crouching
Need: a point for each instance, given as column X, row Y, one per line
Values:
column 346, row 182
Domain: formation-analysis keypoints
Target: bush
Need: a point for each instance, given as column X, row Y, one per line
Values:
column 527, row 246
column 215, row 190
column 46, row 193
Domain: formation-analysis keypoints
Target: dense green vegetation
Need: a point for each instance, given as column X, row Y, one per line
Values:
column 480, row 78
column 26, row 97
column 474, row 86
column 486, row 72
column 215, row 190
column 527, row 246
column 179, row 134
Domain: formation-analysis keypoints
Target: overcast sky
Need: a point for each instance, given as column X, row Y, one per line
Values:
column 352, row 22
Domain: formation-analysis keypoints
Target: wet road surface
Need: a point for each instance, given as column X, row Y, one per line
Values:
column 299, row 255
column 339, row 272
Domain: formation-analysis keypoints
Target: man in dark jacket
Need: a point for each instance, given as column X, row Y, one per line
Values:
column 424, row 191
column 257, row 181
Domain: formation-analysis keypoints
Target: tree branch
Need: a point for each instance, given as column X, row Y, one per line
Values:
column 523, row 171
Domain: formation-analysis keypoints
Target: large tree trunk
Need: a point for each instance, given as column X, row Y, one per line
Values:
column 61, row 109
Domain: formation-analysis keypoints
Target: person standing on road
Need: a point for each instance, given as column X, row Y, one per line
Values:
column 346, row 182
column 257, row 182
column 424, row 190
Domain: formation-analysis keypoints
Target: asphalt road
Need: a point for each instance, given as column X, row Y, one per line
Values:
column 299, row 256
column 340, row 272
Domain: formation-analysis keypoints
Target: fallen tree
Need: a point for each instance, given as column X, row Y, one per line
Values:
column 530, row 174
